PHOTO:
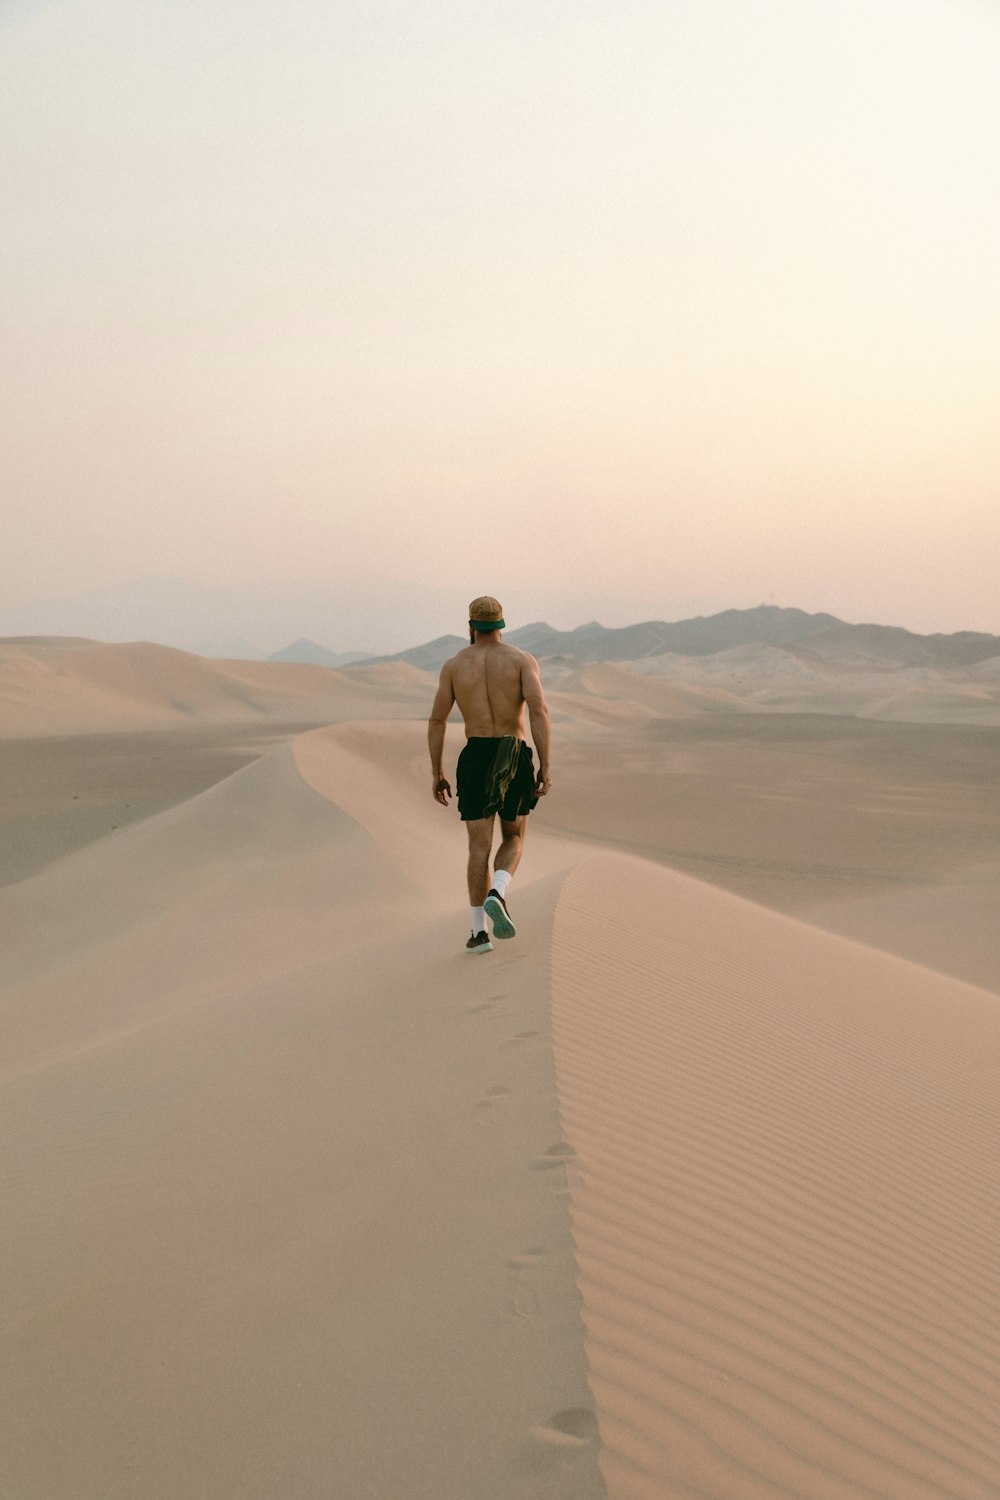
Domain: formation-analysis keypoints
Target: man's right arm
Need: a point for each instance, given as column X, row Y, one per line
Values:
column 541, row 724
column 436, row 725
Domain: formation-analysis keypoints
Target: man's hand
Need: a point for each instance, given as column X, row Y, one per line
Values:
column 543, row 781
column 441, row 787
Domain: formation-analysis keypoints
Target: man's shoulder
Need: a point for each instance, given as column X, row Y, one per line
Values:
column 526, row 661
column 457, row 659
column 524, row 657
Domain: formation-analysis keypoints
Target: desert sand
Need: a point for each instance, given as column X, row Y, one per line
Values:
column 686, row 1191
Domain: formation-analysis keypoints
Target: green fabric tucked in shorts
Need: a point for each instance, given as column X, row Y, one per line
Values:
column 495, row 775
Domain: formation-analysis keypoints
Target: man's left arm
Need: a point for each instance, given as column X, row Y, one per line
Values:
column 541, row 724
column 436, row 725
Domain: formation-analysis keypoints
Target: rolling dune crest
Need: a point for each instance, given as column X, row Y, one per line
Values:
column 59, row 687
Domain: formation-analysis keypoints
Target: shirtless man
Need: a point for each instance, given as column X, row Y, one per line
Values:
column 491, row 683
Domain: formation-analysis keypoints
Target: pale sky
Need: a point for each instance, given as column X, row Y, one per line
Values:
column 340, row 313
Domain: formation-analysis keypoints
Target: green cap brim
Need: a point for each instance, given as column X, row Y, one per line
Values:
column 487, row 624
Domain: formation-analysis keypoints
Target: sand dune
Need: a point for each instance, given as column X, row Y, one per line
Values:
column 672, row 699
column 782, row 1203
column 243, row 881
column 269, row 1137
column 63, row 686
column 74, row 687
column 673, row 1196
column 949, row 924
column 783, row 679
column 985, row 671
column 886, row 832
column 937, row 704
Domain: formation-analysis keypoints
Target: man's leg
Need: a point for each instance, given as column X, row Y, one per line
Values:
column 510, row 851
column 480, row 845
column 507, row 860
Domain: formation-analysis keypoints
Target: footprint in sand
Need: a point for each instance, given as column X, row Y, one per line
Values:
column 493, row 1097
column 559, row 1155
column 522, row 1299
column 520, row 1038
column 489, row 1007
column 570, row 1430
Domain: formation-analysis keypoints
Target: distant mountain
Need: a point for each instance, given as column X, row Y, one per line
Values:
column 767, row 625
column 227, row 651
column 864, row 643
column 701, row 636
column 822, row 635
column 430, row 657
column 317, row 655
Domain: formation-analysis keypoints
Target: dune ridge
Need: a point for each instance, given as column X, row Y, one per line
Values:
column 781, row 1197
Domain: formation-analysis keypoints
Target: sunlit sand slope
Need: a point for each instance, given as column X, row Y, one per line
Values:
column 784, row 1199
column 243, row 881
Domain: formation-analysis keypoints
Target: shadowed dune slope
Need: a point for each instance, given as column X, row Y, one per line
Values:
column 251, row 877
column 783, row 1197
column 290, row 1242
column 276, row 1223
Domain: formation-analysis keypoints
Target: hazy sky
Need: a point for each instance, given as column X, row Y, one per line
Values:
column 339, row 313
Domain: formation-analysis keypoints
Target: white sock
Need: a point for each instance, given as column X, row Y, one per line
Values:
column 501, row 880
column 478, row 919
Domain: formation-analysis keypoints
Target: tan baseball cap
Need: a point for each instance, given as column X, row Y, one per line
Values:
column 486, row 613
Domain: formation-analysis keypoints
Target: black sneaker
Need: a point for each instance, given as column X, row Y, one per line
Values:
column 495, row 908
column 479, row 942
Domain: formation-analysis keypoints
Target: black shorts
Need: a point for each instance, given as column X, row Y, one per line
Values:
column 472, row 780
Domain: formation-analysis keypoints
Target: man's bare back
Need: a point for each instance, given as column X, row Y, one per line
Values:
column 489, row 686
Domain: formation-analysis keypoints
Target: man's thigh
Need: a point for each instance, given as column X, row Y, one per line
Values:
column 516, row 829
column 481, row 832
